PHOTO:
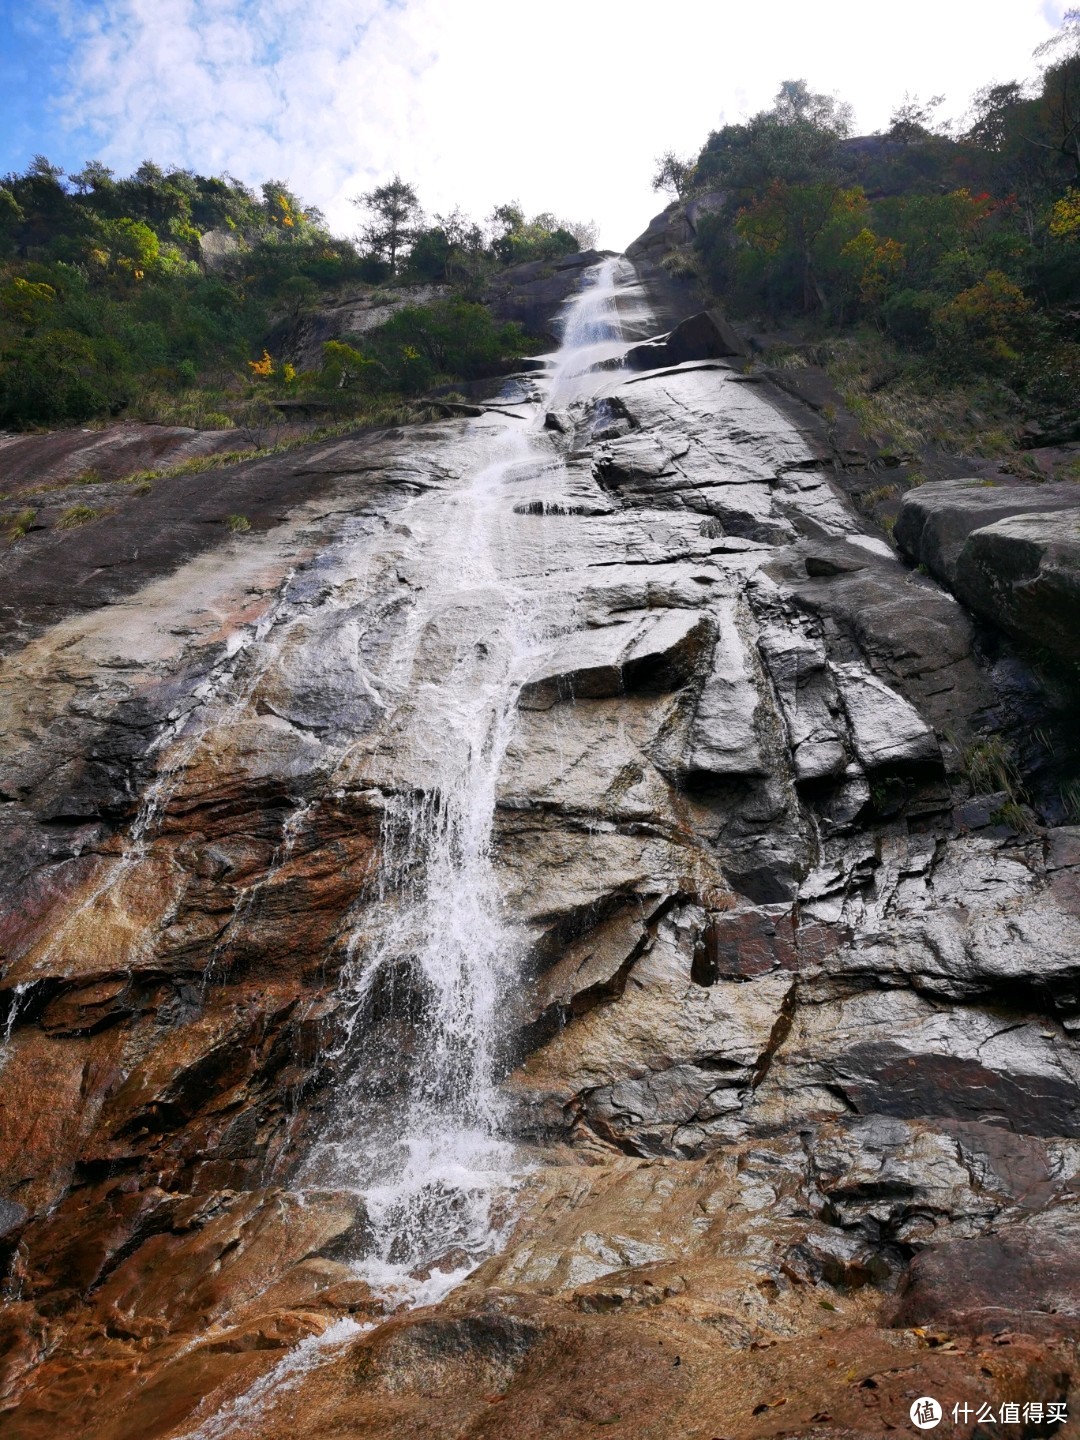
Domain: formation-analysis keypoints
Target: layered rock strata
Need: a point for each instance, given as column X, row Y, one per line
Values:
column 793, row 1057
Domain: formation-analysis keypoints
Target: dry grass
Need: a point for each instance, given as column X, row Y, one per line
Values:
column 990, row 767
column 77, row 515
column 895, row 402
column 195, row 409
column 16, row 526
column 870, row 499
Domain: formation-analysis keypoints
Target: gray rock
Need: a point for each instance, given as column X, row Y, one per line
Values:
column 892, row 1053
column 352, row 312
column 811, row 704
column 935, row 520
column 724, row 733
column 840, row 1036
column 656, row 653
column 886, row 730
column 219, row 250
column 1010, row 552
column 1024, row 574
column 12, row 1215
column 669, row 1053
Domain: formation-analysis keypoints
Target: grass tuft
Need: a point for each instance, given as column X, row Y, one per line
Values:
column 16, row 526
column 76, row 516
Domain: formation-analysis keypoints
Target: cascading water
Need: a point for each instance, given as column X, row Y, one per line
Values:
column 418, row 1118
column 596, row 328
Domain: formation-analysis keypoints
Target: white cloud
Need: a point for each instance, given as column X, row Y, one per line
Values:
column 563, row 105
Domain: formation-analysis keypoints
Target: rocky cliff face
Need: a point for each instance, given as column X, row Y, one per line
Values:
column 789, row 1049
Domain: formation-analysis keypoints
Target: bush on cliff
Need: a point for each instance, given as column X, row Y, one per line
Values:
column 451, row 338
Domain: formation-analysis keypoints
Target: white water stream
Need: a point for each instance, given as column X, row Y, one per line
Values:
column 417, row 1123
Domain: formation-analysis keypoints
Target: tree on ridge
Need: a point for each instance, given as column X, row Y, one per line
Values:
column 395, row 218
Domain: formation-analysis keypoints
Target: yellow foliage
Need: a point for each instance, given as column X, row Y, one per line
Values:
column 288, row 373
column 1065, row 217
column 263, row 368
column 876, row 260
column 25, row 301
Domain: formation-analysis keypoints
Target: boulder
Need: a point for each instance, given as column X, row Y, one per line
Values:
column 1024, row 574
column 663, row 233
column 219, row 250
column 705, row 336
column 935, row 520
column 348, row 313
column 1010, row 552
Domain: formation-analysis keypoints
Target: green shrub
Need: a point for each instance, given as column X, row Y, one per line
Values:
column 906, row 315
column 452, row 338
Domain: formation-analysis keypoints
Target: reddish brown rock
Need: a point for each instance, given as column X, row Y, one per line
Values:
column 1024, row 1280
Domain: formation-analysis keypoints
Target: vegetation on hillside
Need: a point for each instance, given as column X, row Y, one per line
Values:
column 152, row 296
column 957, row 247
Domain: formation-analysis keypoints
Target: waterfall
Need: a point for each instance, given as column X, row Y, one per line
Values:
column 417, row 1128
column 595, row 329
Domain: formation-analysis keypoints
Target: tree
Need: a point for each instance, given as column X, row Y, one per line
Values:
column 672, row 174
column 449, row 337
column 1060, row 100
column 93, row 176
column 797, row 104
column 10, row 215
column 796, row 142
column 585, row 232
column 507, row 222
column 794, row 232
column 516, row 239
column 912, row 120
column 42, row 168
column 992, row 110
column 395, row 218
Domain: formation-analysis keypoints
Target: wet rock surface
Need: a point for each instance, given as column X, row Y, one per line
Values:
column 1010, row 552
column 793, row 1054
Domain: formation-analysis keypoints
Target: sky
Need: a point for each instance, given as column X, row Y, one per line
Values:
column 562, row 105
